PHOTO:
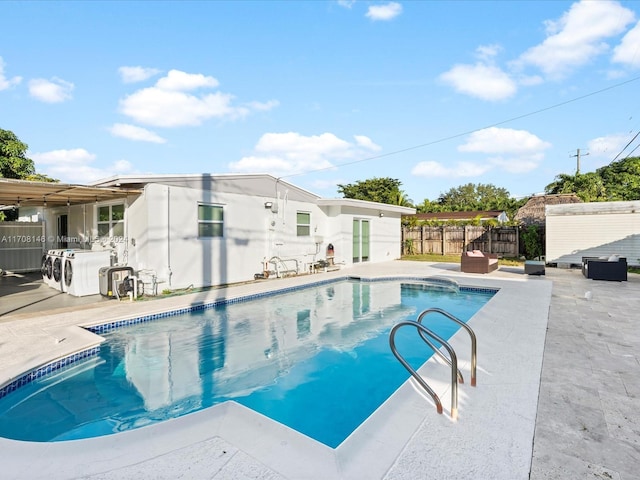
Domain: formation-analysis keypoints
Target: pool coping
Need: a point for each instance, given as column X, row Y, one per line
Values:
column 377, row 446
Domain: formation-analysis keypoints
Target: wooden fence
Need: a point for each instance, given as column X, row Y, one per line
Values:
column 453, row 240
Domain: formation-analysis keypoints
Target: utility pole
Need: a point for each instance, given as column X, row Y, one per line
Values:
column 577, row 156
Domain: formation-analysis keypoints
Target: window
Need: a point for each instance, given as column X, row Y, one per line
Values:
column 210, row 221
column 111, row 220
column 303, row 224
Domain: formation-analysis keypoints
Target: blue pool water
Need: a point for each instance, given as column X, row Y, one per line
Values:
column 316, row 360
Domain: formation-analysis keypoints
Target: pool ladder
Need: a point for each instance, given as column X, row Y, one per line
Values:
column 427, row 335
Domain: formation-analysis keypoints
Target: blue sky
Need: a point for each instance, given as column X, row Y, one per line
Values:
column 435, row 94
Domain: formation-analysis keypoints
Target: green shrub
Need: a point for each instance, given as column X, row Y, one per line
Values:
column 532, row 244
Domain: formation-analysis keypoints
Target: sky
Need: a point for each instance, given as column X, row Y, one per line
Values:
column 436, row 94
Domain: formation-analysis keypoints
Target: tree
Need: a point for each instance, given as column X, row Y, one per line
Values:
column 475, row 197
column 621, row 179
column 588, row 186
column 381, row 190
column 429, row 206
column 13, row 160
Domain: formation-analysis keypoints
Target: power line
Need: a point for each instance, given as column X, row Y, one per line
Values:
column 629, row 154
column 468, row 132
column 625, row 147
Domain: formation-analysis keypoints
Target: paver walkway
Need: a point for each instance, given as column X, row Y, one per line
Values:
column 588, row 423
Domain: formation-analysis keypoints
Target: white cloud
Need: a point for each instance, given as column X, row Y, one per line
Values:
column 166, row 104
column 5, row 82
column 516, row 151
column 503, row 140
column 459, row 170
column 486, row 82
column 609, row 145
column 153, row 106
column 180, row 81
column 73, row 166
column 136, row 74
column 55, row 90
column 346, row 3
column 488, row 52
column 285, row 153
column 577, row 37
column 263, row 106
column 388, row 11
column 628, row 52
column 135, row 133
column 367, row 143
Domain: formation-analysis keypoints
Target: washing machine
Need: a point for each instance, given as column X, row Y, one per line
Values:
column 81, row 271
column 43, row 267
column 53, row 265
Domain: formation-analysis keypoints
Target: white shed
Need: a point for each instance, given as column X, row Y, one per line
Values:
column 597, row 229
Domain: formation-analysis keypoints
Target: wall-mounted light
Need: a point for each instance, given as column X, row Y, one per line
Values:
column 44, row 200
column 68, row 202
column 96, row 199
column 381, row 214
column 268, row 204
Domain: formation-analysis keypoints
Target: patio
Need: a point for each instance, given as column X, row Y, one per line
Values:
column 586, row 424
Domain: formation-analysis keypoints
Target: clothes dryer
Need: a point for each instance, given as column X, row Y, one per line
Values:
column 53, row 268
column 81, row 271
column 43, row 267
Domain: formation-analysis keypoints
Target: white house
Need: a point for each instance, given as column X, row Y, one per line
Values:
column 204, row 229
column 597, row 229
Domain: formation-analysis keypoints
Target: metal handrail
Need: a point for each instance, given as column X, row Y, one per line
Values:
column 441, row 355
column 474, row 360
column 454, row 363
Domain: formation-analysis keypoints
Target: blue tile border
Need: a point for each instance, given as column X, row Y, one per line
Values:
column 48, row 369
column 109, row 326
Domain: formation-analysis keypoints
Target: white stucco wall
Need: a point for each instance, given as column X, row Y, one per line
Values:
column 164, row 225
column 252, row 233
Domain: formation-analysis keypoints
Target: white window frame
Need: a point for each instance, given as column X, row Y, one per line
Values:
column 303, row 225
column 111, row 223
column 211, row 222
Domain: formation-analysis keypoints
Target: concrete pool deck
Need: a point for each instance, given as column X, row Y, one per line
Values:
column 580, row 401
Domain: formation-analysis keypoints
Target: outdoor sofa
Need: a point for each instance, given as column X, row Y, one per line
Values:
column 476, row 261
column 611, row 268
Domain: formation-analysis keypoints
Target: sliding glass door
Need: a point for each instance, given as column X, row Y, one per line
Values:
column 360, row 240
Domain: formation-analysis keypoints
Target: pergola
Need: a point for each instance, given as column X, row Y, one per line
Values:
column 17, row 193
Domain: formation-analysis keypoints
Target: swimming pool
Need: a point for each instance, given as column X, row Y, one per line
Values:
column 284, row 356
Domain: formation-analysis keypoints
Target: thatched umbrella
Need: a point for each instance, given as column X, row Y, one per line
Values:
column 532, row 212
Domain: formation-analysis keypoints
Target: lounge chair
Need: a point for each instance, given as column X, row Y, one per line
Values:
column 478, row 262
column 611, row 268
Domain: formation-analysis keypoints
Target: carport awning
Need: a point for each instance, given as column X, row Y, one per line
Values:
column 26, row 193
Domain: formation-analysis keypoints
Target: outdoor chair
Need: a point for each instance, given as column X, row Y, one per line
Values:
column 478, row 262
column 611, row 268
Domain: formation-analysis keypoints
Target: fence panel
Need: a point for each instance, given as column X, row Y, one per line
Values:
column 453, row 240
column 21, row 246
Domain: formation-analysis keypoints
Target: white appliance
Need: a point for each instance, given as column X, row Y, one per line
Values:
column 81, row 271
column 53, row 266
column 43, row 267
